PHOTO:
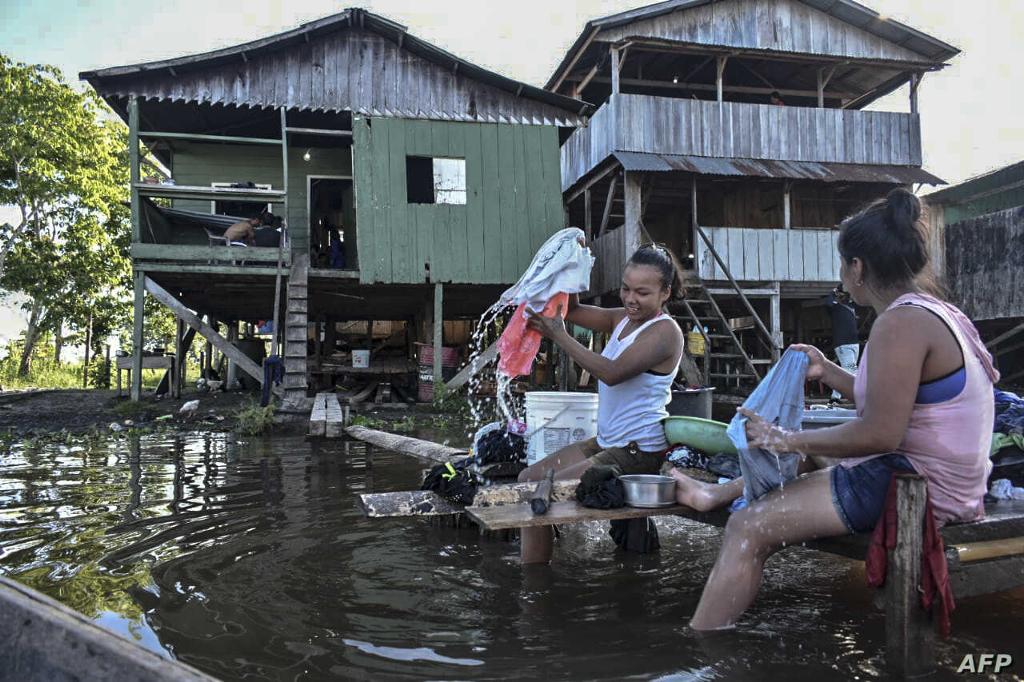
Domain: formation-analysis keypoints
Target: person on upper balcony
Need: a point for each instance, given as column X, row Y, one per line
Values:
column 776, row 99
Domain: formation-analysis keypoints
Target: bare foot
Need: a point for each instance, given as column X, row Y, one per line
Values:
column 696, row 494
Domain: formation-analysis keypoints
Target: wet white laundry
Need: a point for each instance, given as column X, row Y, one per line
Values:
column 1003, row 489
column 561, row 265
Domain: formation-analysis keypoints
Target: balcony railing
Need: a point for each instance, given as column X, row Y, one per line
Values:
column 766, row 255
column 661, row 125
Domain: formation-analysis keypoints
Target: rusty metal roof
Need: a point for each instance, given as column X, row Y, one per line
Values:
column 801, row 170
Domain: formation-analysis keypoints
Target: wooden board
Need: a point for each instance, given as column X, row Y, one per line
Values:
column 508, row 516
column 318, row 416
column 431, row 452
column 405, row 503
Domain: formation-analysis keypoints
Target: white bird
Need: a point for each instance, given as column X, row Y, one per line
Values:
column 189, row 407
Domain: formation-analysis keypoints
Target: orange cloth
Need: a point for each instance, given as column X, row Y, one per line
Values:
column 519, row 344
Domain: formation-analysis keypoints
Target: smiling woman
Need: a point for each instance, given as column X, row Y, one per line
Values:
column 634, row 372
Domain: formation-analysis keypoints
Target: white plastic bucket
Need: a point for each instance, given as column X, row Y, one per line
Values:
column 554, row 420
column 361, row 358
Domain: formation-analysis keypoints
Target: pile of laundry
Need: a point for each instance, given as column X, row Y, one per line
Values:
column 1007, row 453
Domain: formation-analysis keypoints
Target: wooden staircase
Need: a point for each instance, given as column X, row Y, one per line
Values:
column 296, row 319
column 726, row 362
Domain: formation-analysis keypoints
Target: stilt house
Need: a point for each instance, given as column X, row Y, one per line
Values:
column 412, row 185
column 735, row 131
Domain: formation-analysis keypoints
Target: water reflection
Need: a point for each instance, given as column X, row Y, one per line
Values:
column 249, row 559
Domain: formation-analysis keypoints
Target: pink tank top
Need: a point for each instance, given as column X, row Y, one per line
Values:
column 948, row 442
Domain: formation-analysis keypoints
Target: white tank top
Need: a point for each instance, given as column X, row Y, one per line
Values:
column 634, row 409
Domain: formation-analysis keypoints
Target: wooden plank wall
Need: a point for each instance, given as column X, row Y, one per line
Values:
column 760, row 255
column 661, row 125
column 786, row 25
column 985, row 264
column 513, row 203
column 764, row 131
column 347, row 70
column 203, row 164
column 610, row 258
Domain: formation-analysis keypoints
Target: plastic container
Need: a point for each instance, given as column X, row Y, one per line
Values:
column 706, row 435
column 360, row 359
column 691, row 402
column 555, row 420
column 819, row 419
column 695, row 341
column 449, row 355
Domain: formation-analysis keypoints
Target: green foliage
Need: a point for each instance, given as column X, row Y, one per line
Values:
column 63, row 165
column 368, row 421
column 253, row 420
column 450, row 402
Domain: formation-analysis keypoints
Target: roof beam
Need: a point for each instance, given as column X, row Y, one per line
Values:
column 713, row 87
column 579, row 53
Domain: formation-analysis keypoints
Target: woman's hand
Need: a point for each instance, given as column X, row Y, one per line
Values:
column 816, row 361
column 549, row 327
column 761, row 434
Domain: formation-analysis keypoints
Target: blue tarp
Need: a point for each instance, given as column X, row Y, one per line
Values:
column 778, row 399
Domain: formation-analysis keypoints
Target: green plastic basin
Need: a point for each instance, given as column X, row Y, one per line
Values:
column 706, row 435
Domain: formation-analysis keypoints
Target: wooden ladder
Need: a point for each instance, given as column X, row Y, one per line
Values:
column 725, row 358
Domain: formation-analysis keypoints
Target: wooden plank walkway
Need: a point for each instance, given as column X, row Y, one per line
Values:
column 423, row 449
column 326, row 420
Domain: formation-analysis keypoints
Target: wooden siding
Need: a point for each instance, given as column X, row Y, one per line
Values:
column 348, row 70
column 203, row 164
column 779, row 25
column 661, row 125
column 513, row 202
column 759, row 255
column 985, row 264
column 609, row 259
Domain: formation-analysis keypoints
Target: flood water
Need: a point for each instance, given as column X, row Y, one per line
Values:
column 250, row 560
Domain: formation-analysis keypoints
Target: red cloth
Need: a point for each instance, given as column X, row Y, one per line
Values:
column 934, row 571
column 519, row 344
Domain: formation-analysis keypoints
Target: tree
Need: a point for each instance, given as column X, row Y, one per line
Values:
column 64, row 165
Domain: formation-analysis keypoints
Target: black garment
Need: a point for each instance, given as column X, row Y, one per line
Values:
column 600, row 488
column 499, row 446
column 725, row 464
column 266, row 236
column 844, row 321
column 453, row 481
column 635, row 535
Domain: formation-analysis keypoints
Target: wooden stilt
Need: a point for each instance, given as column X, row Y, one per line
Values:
column 438, row 333
column 137, row 336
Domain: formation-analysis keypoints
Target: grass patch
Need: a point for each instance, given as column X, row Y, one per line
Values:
column 253, row 420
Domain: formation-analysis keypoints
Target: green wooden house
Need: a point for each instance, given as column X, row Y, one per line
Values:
column 411, row 185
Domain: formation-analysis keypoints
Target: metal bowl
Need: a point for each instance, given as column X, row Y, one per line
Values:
column 649, row 490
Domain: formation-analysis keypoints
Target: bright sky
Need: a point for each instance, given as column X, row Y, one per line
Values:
column 970, row 111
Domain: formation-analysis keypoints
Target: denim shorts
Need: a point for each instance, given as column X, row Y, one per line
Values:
column 858, row 492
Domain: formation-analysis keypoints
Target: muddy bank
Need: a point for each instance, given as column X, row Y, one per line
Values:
column 75, row 411
column 39, row 412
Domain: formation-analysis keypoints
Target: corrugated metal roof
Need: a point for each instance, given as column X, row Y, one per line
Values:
column 845, row 10
column 104, row 80
column 799, row 170
column 993, row 181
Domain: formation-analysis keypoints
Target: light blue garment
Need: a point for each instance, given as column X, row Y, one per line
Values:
column 778, row 399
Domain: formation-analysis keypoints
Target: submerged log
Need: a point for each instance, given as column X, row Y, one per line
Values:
column 424, row 449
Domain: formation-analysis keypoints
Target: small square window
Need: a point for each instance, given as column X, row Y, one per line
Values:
column 432, row 180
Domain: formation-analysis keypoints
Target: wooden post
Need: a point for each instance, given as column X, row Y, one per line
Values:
column 694, row 240
column 915, row 83
column 232, row 374
column 908, row 631
column 631, row 190
column 135, row 392
column 719, row 75
column 588, row 219
column 284, row 234
column 107, row 349
column 438, row 333
column 330, row 337
column 179, row 358
column 787, row 206
column 821, row 87
column 615, row 70
column 133, row 165
column 606, row 214
column 775, row 303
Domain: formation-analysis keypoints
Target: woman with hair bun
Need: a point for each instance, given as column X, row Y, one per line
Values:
column 634, row 372
column 923, row 393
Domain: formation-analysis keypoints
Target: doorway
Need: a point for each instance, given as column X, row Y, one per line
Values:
column 332, row 225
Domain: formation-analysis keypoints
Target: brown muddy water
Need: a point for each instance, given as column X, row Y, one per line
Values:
column 250, row 560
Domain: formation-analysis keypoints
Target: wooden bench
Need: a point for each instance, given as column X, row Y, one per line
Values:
column 124, row 364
